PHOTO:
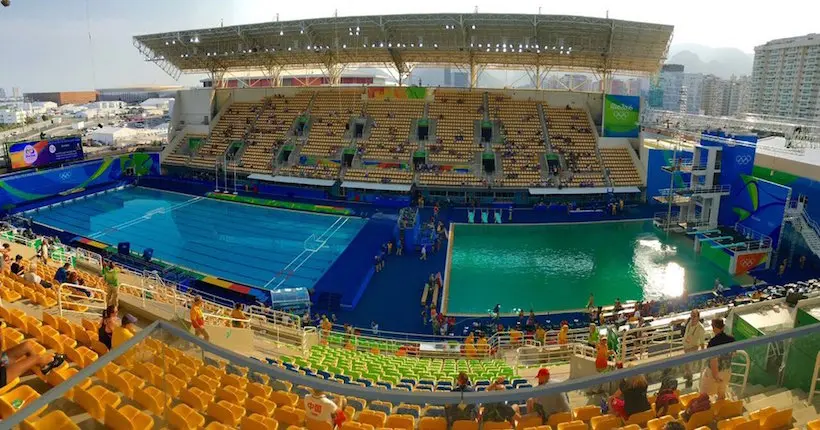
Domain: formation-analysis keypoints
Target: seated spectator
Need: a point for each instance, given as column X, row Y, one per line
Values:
column 319, row 408
column 237, row 314
column 456, row 412
column 107, row 326
column 667, row 395
column 499, row 412
column 550, row 404
column 630, row 398
column 21, row 358
column 698, row 404
column 17, row 267
column 125, row 331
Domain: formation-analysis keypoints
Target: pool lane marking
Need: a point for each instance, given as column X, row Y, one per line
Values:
column 336, row 226
column 145, row 217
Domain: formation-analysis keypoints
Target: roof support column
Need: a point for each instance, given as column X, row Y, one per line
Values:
column 217, row 75
column 538, row 73
column 274, row 73
column 474, row 71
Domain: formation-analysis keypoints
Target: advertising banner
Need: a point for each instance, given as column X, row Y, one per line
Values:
column 622, row 116
column 24, row 155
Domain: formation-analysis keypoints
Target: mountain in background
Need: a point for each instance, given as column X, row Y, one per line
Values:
column 721, row 62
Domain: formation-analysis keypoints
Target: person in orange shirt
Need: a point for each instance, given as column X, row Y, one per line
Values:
column 602, row 355
column 198, row 319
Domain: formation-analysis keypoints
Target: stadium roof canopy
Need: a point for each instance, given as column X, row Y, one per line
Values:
column 403, row 41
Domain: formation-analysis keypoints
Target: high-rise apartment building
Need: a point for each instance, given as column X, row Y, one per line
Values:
column 739, row 94
column 665, row 91
column 693, row 85
column 16, row 93
column 715, row 98
column 2, row 93
column 786, row 77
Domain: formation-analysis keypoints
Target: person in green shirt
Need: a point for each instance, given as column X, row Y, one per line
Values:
column 111, row 276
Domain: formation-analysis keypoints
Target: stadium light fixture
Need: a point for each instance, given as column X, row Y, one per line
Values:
column 421, row 45
column 488, row 49
column 281, row 33
column 473, row 26
column 412, row 45
column 435, row 45
column 381, row 44
column 344, row 46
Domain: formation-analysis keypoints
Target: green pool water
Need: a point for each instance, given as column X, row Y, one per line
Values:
column 555, row 267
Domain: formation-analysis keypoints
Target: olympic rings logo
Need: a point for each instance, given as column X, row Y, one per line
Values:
column 743, row 159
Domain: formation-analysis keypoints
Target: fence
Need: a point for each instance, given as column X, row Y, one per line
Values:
column 81, row 299
column 163, row 343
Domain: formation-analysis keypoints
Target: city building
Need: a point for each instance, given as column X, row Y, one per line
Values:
column 157, row 104
column 16, row 93
column 739, row 94
column 136, row 94
column 693, row 85
column 634, row 87
column 2, row 93
column 63, row 97
column 111, row 135
column 665, row 91
column 786, row 78
column 715, row 99
column 618, row 87
column 12, row 116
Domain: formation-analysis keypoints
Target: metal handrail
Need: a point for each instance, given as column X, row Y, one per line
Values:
column 815, row 375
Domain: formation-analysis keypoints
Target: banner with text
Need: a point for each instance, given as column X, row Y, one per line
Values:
column 24, row 155
column 622, row 116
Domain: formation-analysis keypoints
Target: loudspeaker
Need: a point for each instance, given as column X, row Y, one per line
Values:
column 423, row 132
column 147, row 254
column 347, row 159
column 124, row 248
column 359, row 130
column 489, row 164
column 486, row 134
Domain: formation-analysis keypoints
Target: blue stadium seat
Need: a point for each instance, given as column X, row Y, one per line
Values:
column 365, row 381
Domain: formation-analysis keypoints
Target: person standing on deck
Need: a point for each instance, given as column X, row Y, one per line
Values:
column 111, row 274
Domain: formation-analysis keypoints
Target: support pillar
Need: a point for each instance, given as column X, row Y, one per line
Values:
column 274, row 73
column 334, row 73
column 473, row 73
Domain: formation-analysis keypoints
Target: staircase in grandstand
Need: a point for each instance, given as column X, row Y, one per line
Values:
column 804, row 224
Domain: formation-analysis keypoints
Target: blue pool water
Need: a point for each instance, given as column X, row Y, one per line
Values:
column 252, row 245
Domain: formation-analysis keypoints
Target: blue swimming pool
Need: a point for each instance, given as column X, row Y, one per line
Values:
column 252, row 245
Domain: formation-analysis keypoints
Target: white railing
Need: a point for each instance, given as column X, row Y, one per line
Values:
column 649, row 342
column 226, row 321
column 813, row 390
column 272, row 316
column 71, row 298
column 743, row 374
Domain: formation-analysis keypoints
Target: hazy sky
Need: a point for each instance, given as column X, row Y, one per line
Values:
column 46, row 47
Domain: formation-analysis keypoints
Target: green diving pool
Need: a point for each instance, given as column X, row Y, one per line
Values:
column 555, row 267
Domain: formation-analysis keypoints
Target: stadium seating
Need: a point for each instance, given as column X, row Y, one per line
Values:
column 330, row 115
column 384, row 176
column 271, row 130
column 451, row 178
column 455, row 113
column 571, row 135
column 182, row 153
column 622, row 171
column 390, row 132
column 523, row 147
column 232, row 126
column 318, row 171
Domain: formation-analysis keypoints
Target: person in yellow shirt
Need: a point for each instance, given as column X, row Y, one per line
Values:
column 125, row 330
column 563, row 335
column 198, row 319
column 481, row 347
column 237, row 314
column 540, row 334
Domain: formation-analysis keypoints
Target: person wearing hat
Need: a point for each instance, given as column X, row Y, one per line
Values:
column 125, row 331
column 549, row 404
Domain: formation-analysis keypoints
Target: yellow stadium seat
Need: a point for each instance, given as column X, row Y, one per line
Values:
column 9, row 296
column 640, row 418
column 127, row 418
column 465, row 425
column 99, row 347
column 232, row 394
column 196, row 398
column 289, row 416
column 193, row 363
column 813, row 425
column 353, row 425
column 260, row 406
column 12, row 337
column 585, row 413
column 182, row 417
column 492, row 425
column 152, row 399
column 282, row 398
column 727, row 409
column 234, row 380
column 401, row 421
column 205, row 383
column 127, row 382
column 95, row 399
column 686, row 398
column 257, row 389
column 81, row 356
column 776, row 420
column 215, row 425
column 731, row 423
column 259, row 422
column 212, row 372
column 529, row 420
column 748, row 425
column 182, row 371
column 60, row 375
column 50, row 320
column 432, row 423
column 226, row 412
column 631, row 427
column 173, row 384
column 374, row 418
column 317, row 425
column 558, row 418
column 659, row 423
column 17, row 399
column 44, row 300
column 148, row 371
column 89, row 325
column 573, row 425
column 699, row 419
column 54, row 420
column 65, row 326
column 605, row 422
